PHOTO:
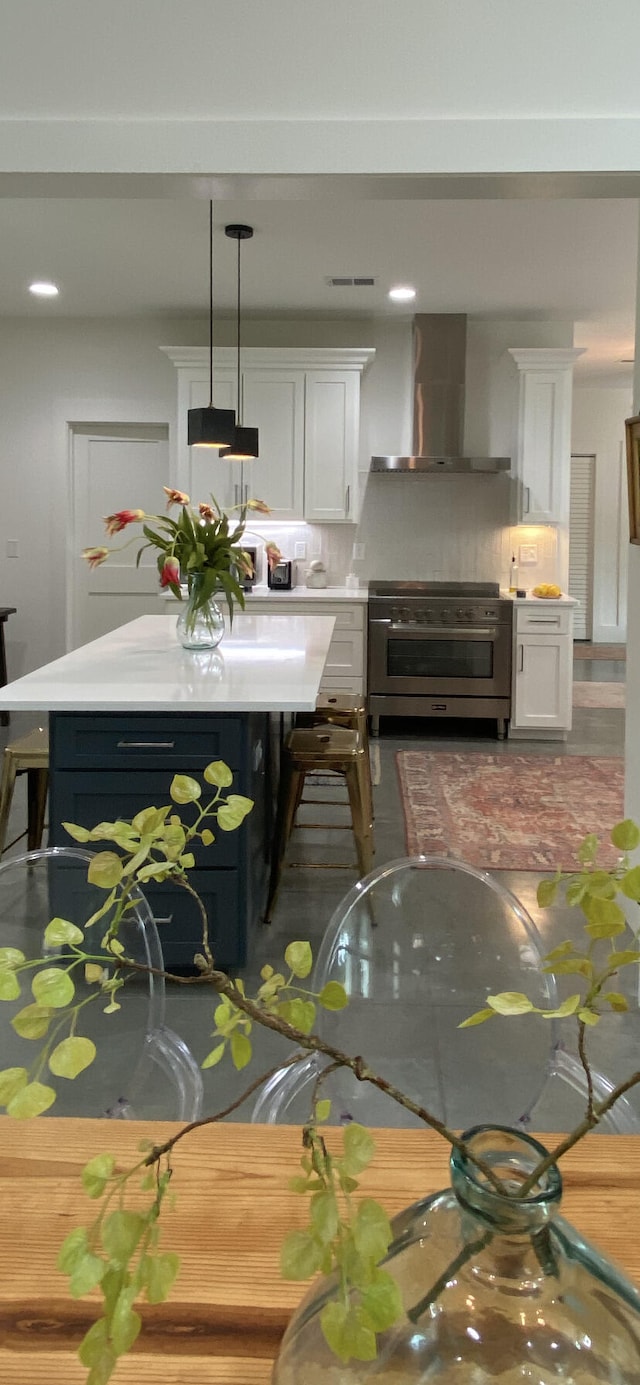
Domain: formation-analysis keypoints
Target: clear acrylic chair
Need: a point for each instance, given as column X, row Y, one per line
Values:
column 419, row 944
column 142, row 1071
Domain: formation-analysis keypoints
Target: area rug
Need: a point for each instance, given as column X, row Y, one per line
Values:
column 598, row 694
column 599, row 651
column 509, row 812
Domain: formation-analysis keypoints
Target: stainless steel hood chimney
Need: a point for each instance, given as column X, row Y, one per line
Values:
column 439, row 354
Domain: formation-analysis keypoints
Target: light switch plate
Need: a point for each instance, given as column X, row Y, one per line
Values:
column 300, row 550
column 528, row 553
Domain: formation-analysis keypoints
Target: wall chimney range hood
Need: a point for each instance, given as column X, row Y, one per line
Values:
column 439, row 354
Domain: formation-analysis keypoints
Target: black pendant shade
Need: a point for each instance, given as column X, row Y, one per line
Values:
column 210, row 427
column 243, row 446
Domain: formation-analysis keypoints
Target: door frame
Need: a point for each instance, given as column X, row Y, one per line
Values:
column 589, row 457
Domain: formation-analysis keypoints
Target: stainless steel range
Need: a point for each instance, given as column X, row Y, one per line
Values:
column 439, row 649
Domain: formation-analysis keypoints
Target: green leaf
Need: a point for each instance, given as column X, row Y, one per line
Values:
column 241, row 1049
column 12, row 1080
column 371, row 1229
column 31, row 1101
column 560, row 951
column 617, row 1001
column 86, row 1273
column 574, row 966
column 32, row 1022
column 72, row 1250
column 478, row 1018
column 630, row 883
column 348, row 1332
column 605, row 918
column 94, row 1343
column 72, row 1056
column 207, row 837
column 510, row 1003
column 214, row 1056
column 299, row 1013
column 125, row 1324
column 61, row 931
column 161, row 1274
column 233, row 812
column 323, row 1110
column 300, row 1256
column 53, row 987
column 96, row 1174
column 568, row 1007
column 79, row 834
column 299, row 959
column 121, row 1232
column 588, row 849
column 333, row 996
column 10, row 957
column 218, row 774
column 576, row 892
column 382, row 1301
column 105, row 871
column 184, row 789
column 359, row 1149
column 546, row 892
column 324, row 1215
column 9, row 985
column 626, row 835
column 588, row 1017
column 622, row 959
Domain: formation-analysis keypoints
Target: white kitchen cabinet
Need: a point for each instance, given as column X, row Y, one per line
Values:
column 542, row 670
column 344, row 670
column 543, row 444
column 306, row 406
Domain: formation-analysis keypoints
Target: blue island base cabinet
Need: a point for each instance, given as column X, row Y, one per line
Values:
column 112, row 764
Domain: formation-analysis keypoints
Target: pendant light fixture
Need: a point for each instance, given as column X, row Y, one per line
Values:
column 243, row 446
column 210, row 427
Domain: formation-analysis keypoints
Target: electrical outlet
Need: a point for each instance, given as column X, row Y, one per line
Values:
column 528, row 553
column 357, row 551
column 12, row 548
column 300, row 550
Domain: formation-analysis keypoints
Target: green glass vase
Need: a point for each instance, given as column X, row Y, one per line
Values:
column 496, row 1291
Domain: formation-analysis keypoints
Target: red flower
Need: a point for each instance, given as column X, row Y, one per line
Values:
column 95, row 556
column 259, row 506
column 120, row 520
column 206, row 511
column 175, row 497
column 170, row 575
column 273, row 554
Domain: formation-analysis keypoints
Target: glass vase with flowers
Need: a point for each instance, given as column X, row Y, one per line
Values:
column 201, row 548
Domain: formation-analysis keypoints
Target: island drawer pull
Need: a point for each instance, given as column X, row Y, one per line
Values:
column 145, row 745
column 167, row 919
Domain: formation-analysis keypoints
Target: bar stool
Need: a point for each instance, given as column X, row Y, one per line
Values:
column 343, row 709
column 321, row 749
column 29, row 755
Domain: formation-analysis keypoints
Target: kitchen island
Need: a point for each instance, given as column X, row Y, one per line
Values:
column 133, row 708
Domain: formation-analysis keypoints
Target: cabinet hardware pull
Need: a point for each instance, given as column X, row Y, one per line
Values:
column 347, row 500
column 145, row 745
column 543, row 620
column 168, row 919
column 527, row 504
column 521, row 664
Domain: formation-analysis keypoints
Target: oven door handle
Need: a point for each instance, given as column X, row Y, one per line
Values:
column 461, row 631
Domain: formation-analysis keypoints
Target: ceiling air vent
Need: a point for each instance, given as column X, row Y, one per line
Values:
column 350, row 281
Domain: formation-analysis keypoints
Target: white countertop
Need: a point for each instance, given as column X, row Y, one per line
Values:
column 299, row 593
column 266, row 663
column 542, row 600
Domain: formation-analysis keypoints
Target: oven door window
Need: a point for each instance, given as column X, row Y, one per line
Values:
column 440, row 658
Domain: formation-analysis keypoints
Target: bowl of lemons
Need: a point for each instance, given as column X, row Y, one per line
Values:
column 548, row 590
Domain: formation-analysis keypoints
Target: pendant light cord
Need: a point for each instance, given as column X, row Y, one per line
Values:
column 211, row 304
column 238, row 339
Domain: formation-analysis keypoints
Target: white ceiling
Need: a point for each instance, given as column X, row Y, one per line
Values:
column 564, row 259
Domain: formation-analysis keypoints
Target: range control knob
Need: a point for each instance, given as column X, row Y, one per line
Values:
column 445, row 615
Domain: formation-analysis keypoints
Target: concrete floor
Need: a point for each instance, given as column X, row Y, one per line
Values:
column 486, row 1073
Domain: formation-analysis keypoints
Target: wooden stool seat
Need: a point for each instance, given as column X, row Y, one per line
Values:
column 27, row 755
column 343, row 709
column 324, row 748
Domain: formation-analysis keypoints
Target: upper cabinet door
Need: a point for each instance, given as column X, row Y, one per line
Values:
column 331, row 444
column 544, row 433
column 273, row 402
column 203, row 472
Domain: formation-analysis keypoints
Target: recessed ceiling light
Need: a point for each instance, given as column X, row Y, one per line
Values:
column 402, row 293
column 43, row 289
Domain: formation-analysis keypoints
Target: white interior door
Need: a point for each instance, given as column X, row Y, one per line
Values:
column 581, row 519
column 113, row 467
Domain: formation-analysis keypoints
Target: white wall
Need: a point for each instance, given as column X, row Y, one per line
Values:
column 598, row 430
column 419, row 85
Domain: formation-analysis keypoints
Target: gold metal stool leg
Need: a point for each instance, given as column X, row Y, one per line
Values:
column 289, row 795
column 6, row 793
column 359, row 804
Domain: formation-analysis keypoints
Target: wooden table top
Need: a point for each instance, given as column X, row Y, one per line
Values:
column 229, row 1307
